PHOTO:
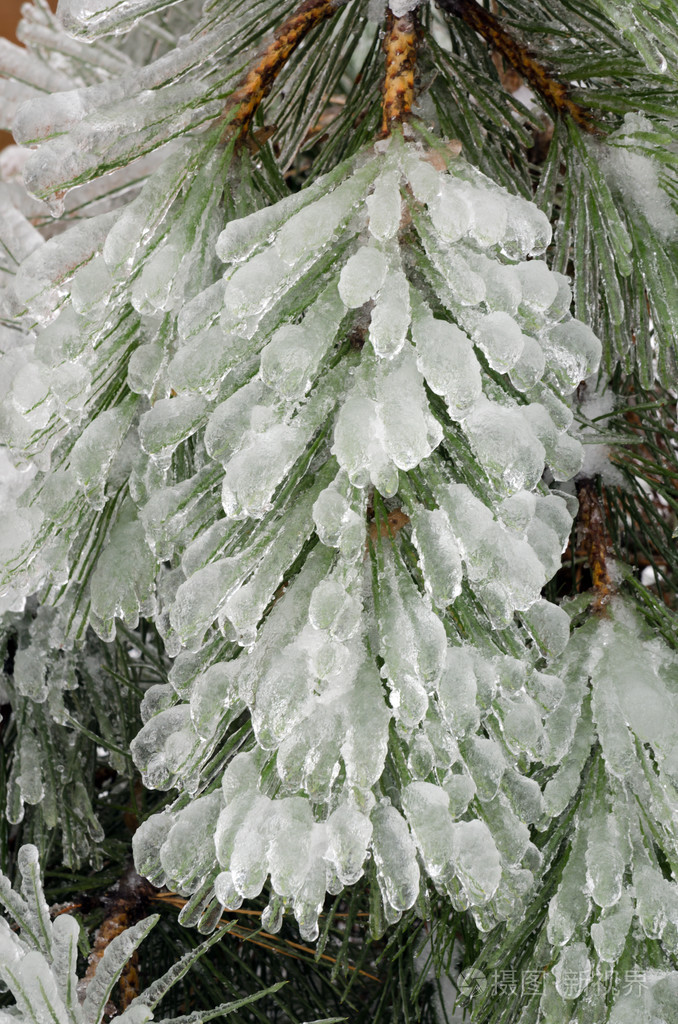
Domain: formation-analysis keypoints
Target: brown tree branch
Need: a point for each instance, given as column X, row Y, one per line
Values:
column 400, row 47
column 488, row 26
column 125, row 904
column 258, row 81
column 595, row 542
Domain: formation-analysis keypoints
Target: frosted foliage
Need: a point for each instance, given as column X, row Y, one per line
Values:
column 637, row 175
column 187, row 854
column 615, row 764
column 38, row 960
column 325, row 489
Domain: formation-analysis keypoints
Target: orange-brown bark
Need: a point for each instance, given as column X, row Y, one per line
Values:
column 595, row 542
column 259, row 80
column 389, row 526
column 400, row 47
column 125, row 906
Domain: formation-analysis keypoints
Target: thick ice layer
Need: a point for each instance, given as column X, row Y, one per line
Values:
column 169, row 422
column 412, row 643
column 314, row 226
column 446, row 359
column 290, row 360
column 501, row 339
column 390, row 318
column 384, row 206
column 572, row 352
column 395, row 858
column 450, row 213
column 506, row 446
column 41, row 282
column 95, row 449
column 362, row 276
column 123, row 582
column 439, row 554
column 410, row 432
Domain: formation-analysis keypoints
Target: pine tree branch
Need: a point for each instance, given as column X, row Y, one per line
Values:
column 400, row 47
column 125, row 905
column 273, row 943
column 519, row 57
column 259, row 80
column 595, row 541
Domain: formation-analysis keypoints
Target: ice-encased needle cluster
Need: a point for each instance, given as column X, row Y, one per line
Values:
column 39, row 960
column 438, row 304
column 211, row 409
column 609, row 926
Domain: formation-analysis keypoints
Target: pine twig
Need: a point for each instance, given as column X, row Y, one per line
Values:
column 400, row 47
column 272, row 943
column 595, row 542
column 259, row 80
column 487, row 25
column 125, row 905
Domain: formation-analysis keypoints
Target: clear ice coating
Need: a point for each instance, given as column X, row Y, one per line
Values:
column 39, row 958
column 325, row 482
column 611, row 898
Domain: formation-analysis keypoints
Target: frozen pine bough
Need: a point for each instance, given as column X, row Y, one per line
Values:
column 382, row 347
column 49, row 691
column 389, row 444
column 39, row 956
column 310, row 444
column 609, row 923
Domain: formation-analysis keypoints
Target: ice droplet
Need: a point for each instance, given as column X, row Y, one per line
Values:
column 362, row 276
